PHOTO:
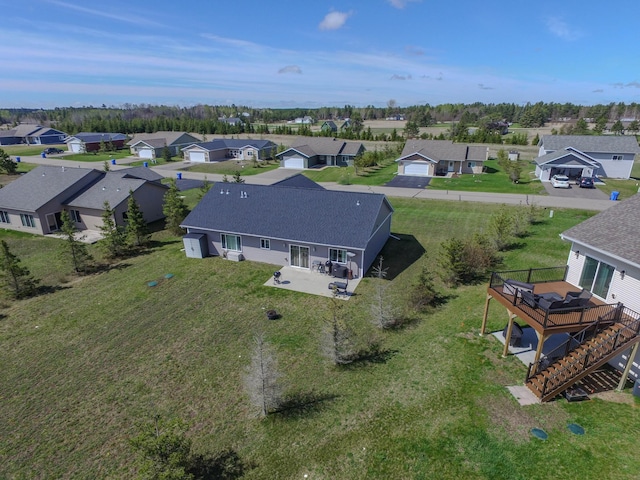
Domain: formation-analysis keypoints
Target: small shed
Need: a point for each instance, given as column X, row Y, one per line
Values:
column 514, row 155
column 195, row 245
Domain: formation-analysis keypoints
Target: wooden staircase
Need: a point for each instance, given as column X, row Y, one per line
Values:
column 596, row 345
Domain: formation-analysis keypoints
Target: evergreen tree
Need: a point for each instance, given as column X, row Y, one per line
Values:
column 166, row 154
column 204, row 188
column 237, row 178
column 78, row 251
column 113, row 239
column 137, row 231
column 174, row 209
column 6, row 164
column 16, row 278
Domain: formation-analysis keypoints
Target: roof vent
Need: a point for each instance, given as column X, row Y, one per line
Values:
column 358, row 203
column 221, row 191
column 227, row 191
column 104, row 188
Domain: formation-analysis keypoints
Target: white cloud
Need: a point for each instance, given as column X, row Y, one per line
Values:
column 134, row 19
column 561, row 29
column 334, row 20
column 290, row 69
column 400, row 4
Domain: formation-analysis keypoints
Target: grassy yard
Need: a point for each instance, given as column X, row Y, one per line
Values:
column 81, row 366
column 26, row 150
column 97, row 157
column 230, row 167
column 347, row 175
column 493, row 180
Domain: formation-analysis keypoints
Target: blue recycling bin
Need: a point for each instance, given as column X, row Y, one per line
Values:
column 146, row 164
column 17, row 159
column 614, row 195
column 113, row 161
column 179, row 175
column 43, row 155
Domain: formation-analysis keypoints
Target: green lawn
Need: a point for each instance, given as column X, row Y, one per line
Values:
column 26, row 150
column 97, row 157
column 82, row 365
column 494, row 180
column 346, row 175
column 230, row 167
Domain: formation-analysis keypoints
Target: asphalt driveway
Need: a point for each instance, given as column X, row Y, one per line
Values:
column 408, row 181
column 575, row 192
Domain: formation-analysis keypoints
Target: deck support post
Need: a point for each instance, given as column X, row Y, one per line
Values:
column 627, row 368
column 541, row 339
column 507, row 338
column 483, row 328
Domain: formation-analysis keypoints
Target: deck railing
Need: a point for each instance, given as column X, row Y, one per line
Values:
column 564, row 374
column 532, row 275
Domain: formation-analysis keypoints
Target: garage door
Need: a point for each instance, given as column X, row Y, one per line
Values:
column 75, row 147
column 294, row 162
column 145, row 153
column 196, row 156
column 415, row 168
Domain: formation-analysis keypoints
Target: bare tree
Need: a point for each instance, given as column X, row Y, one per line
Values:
column 262, row 380
column 338, row 345
column 383, row 313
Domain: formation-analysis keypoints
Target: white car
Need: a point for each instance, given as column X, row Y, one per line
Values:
column 560, row 181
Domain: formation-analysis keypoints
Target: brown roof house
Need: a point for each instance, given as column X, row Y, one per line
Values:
column 308, row 152
column 152, row 145
column 427, row 158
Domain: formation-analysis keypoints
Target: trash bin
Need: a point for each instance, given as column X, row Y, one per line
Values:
column 113, row 161
column 636, row 388
column 43, row 155
column 146, row 164
column 614, row 195
column 17, row 159
column 179, row 175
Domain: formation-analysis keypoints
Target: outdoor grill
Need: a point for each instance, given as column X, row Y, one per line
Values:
column 516, row 335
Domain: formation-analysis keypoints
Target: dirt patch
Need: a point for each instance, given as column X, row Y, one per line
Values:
column 615, row 397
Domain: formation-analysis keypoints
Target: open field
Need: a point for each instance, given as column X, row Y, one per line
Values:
column 83, row 365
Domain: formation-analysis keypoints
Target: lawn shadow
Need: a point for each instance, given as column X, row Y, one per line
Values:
column 225, row 465
column 490, row 170
column 303, row 404
column 49, row 289
column 369, row 356
column 399, row 253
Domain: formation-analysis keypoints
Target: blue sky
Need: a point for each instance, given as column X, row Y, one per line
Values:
column 284, row 53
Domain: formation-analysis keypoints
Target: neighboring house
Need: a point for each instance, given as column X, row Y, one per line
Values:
column 151, row 145
column 329, row 126
column 346, row 124
column 91, row 142
column 306, row 120
column 233, row 121
column 308, row 152
column 34, row 202
column 222, row 149
column 605, row 259
column 427, row 158
column 31, row 134
column 586, row 155
column 303, row 224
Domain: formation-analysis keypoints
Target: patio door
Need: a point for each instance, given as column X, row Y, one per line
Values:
column 53, row 221
column 299, row 256
column 451, row 167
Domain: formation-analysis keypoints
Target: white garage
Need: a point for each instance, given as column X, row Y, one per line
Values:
column 293, row 162
column 146, row 153
column 416, row 168
column 195, row 156
column 76, row 147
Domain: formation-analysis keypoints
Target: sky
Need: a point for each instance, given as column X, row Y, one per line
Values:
column 313, row 53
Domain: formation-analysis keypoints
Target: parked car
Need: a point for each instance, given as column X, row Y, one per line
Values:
column 587, row 182
column 560, row 181
column 50, row 150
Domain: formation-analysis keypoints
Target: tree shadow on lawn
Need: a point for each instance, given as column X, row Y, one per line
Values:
column 302, row 404
column 399, row 255
column 226, row 465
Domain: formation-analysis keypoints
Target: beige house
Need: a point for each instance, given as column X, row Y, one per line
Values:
column 428, row 158
column 34, row 202
column 223, row 149
column 152, row 145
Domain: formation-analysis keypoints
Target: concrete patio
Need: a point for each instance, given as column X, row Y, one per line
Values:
column 527, row 351
column 311, row 282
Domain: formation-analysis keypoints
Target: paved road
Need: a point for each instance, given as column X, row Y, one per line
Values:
column 272, row 176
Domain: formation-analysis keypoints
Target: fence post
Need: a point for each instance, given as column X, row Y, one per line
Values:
column 529, row 276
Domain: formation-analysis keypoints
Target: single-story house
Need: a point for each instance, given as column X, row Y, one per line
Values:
column 605, row 259
column 427, row 158
column 308, row 152
column 346, row 124
column 34, row 202
column 151, row 145
column 91, row 142
column 347, row 228
column 31, row 134
column 329, row 126
column 306, row 120
column 586, row 155
column 222, row 149
column 233, row 121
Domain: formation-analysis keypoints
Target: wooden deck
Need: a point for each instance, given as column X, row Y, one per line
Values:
column 547, row 323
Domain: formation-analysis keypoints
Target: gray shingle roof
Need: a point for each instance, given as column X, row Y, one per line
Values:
column 113, row 188
column 615, row 231
column 592, row 143
column 90, row 137
column 325, row 146
column 34, row 189
column 144, row 173
column 310, row 215
column 168, row 137
column 224, row 143
column 298, row 181
column 438, row 150
column 573, row 157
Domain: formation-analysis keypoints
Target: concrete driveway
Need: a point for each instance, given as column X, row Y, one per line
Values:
column 575, row 192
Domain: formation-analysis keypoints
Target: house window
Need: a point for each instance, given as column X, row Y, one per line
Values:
column 4, row 217
column 27, row 220
column 339, row 256
column 75, row 216
column 231, row 242
column 265, row 244
column 596, row 276
column 617, row 157
column 250, row 153
column 471, row 164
